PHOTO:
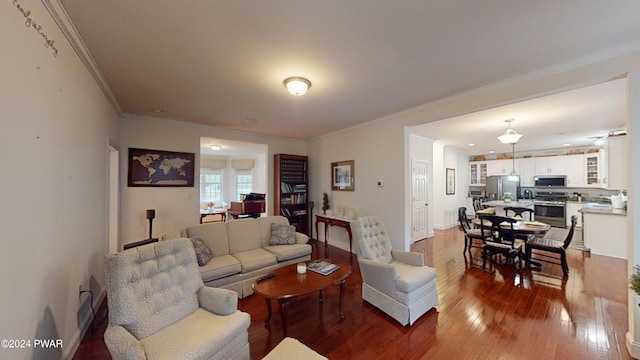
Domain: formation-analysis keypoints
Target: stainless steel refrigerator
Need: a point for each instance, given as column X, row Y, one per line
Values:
column 497, row 186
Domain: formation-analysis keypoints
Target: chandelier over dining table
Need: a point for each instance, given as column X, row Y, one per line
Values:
column 511, row 136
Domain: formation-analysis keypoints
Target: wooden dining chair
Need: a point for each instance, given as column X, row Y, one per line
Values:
column 519, row 211
column 498, row 237
column 470, row 234
column 550, row 249
column 477, row 204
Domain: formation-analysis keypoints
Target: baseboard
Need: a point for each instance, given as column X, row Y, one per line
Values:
column 445, row 227
column 71, row 348
column 633, row 347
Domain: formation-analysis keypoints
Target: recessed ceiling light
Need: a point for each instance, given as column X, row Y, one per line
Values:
column 157, row 110
column 215, row 147
column 491, row 151
column 471, row 144
column 566, row 144
column 251, row 120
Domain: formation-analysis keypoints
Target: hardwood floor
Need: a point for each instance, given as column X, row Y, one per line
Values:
column 483, row 314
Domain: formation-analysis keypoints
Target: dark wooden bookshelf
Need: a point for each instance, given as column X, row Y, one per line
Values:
column 291, row 189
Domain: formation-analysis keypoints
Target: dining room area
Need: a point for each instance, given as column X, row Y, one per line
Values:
column 512, row 233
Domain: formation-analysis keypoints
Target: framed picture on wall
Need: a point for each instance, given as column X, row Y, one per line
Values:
column 450, row 181
column 160, row 168
column 342, row 176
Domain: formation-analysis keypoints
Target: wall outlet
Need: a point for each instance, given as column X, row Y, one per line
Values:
column 380, row 183
column 163, row 237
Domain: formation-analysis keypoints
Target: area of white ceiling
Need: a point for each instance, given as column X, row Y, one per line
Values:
column 222, row 62
column 571, row 118
column 231, row 148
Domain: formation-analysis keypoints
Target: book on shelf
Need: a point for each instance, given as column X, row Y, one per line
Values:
column 322, row 267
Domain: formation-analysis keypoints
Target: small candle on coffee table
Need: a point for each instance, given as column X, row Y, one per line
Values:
column 302, row 268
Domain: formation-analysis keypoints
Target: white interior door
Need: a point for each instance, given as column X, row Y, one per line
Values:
column 419, row 200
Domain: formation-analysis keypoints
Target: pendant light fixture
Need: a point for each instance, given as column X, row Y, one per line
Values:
column 510, row 136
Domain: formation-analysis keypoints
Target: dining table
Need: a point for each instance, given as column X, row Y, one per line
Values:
column 523, row 228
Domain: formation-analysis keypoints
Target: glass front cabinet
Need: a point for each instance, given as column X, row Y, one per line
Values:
column 478, row 172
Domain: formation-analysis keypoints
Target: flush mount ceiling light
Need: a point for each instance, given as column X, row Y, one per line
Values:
column 297, row 86
column 510, row 136
column 215, row 147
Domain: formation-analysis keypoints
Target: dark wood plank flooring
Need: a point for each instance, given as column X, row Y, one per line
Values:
column 483, row 314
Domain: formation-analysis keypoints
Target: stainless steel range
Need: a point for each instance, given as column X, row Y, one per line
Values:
column 550, row 207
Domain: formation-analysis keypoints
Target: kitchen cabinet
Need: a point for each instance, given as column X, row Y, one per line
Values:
column 525, row 167
column 499, row 167
column 617, row 163
column 605, row 234
column 478, row 172
column 550, row 165
column 575, row 170
column 594, row 170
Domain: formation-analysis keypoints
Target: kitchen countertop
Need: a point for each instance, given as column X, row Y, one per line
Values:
column 606, row 209
column 516, row 203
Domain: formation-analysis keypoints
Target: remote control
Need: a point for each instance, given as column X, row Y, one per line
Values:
column 265, row 277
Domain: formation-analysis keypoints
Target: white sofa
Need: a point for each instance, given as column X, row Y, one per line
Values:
column 241, row 251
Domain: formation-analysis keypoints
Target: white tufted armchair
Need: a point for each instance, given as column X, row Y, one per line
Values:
column 396, row 282
column 160, row 309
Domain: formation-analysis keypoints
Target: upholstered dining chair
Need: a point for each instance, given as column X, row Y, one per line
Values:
column 550, row 249
column 160, row 309
column 396, row 282
column 470, row 234
column 498, row 237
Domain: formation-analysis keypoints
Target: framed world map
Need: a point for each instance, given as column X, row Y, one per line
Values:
column 160, row 168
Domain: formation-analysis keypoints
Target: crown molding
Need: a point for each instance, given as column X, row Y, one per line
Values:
column 60, row 16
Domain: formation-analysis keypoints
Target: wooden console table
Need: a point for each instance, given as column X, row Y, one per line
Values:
column 334, row 221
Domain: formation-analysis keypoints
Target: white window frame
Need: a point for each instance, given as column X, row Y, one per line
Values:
column 238, row 174
column 203, row 184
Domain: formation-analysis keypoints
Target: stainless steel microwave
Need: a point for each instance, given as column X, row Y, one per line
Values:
column 476, row 191
column 550, row 181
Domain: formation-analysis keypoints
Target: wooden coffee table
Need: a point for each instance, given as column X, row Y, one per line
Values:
column 287, row 284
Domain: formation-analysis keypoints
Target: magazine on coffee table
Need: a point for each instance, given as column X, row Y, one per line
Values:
column 322, row 267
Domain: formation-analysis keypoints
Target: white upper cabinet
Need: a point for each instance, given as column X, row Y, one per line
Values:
column 594, row 166
column 575, row 170
column 617, row 163
column 525, row 167
column 478, row 172
column 551, row 165
column 499, row 167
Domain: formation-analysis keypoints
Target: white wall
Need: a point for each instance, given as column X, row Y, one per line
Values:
column 177, row 208
column 446, row 206
column 378, row 150
column 54, row 128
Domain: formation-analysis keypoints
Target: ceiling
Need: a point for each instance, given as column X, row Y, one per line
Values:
column 222, row 63
column 568, row 119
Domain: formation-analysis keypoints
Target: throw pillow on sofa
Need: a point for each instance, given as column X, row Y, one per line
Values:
column 282, row 234
column 203, row 253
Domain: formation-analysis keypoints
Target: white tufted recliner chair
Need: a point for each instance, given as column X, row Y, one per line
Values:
column 396, row 282
column 160, row 309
